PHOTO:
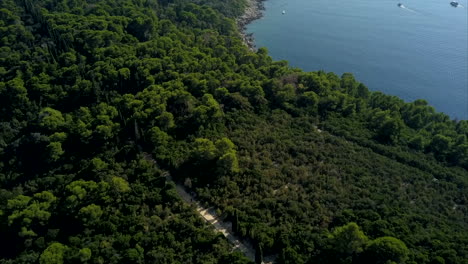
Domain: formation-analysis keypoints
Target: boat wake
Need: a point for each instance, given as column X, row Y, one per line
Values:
column 411, row 10
column 408, row 9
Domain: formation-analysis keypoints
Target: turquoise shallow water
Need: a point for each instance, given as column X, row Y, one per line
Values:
column 420, row 51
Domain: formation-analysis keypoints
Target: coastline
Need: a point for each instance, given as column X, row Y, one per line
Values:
column 253, row 11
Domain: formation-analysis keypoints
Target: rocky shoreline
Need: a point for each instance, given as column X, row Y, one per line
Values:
column 252, row 12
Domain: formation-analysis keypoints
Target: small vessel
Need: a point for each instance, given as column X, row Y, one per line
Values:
column 400, row 5
column 454, row 3
column 284, row 12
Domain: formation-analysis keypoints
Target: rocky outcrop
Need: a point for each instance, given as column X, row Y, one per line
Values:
column 252, row 12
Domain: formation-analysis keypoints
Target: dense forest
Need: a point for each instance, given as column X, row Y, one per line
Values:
column 310, row 167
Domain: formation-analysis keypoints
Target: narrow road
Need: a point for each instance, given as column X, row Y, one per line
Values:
column 209, row 215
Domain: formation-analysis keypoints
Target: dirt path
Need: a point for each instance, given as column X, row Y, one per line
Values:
column 209, row 215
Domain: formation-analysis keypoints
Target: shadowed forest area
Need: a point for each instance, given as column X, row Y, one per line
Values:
column 308, row 166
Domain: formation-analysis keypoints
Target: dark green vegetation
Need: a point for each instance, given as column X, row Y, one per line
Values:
column 84, row 85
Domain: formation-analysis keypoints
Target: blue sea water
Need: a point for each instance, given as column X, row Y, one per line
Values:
column 416, row 51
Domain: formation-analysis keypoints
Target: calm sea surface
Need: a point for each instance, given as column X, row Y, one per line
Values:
column 418, row 51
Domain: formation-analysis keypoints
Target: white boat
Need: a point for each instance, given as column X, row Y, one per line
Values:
column 284, row 12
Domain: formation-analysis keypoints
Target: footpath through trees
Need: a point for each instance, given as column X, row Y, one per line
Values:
column 210, row 216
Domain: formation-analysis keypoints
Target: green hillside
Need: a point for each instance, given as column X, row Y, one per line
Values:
column 309, row 167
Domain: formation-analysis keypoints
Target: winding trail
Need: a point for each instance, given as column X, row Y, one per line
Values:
column 224, row 227
column 209, row 215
